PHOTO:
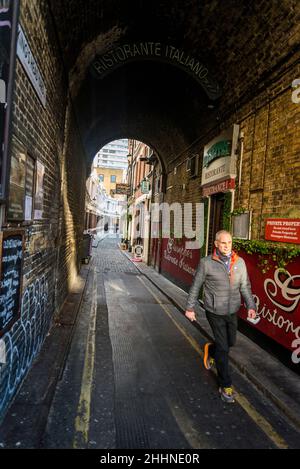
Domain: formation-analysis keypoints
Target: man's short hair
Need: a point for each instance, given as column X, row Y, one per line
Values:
column 221, row 232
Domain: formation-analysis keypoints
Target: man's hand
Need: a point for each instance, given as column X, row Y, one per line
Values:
column 190, row 315
column 251, row 313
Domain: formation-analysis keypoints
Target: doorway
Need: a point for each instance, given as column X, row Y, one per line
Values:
column 216, row 219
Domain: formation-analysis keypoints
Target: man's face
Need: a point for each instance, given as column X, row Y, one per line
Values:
column 224, row 244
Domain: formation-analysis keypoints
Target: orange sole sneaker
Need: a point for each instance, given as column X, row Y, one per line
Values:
column 206, row 359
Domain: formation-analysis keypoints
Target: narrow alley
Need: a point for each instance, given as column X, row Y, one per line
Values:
column 149, row 225
column 134, row 378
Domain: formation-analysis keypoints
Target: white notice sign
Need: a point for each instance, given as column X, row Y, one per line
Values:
column 30, row 66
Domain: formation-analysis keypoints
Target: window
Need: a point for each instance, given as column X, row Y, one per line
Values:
column 22, row 176
column 241, row 225
column 113, row 178
column 192, row 165
column 101, row 177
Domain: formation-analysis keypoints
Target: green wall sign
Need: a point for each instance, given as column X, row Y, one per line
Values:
column 145, row 187
column 218, row 150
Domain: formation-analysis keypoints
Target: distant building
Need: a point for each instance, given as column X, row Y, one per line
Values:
column 113, row 155
column 111, row 165
column 139, row 177
column 102, row 212
column 110, row 177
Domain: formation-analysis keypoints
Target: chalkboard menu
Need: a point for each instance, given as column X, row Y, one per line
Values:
column 12, row 249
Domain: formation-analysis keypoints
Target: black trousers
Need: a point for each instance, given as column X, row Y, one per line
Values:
column 224, row 329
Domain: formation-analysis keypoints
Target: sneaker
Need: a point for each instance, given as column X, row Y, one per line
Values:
column 207, row 360
column 227, row 395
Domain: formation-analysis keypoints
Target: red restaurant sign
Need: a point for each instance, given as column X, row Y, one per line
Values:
column 277, row 297
column 219, row 187
column 180, row 263
column 284, row 230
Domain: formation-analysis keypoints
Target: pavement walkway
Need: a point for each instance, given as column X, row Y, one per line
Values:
column 269, row 375
column 122, row 368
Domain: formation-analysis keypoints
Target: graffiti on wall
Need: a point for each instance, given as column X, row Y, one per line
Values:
column 22, row 343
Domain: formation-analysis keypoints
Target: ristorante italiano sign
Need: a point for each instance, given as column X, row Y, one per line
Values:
column 106, row 63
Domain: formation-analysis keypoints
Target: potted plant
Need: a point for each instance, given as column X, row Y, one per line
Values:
column 124, row 243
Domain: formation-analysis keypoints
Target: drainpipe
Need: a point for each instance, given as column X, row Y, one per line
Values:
column 150, row 201
column 208, row 224
column 241, row 161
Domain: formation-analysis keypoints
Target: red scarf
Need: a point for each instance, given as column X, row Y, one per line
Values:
column 233, row 259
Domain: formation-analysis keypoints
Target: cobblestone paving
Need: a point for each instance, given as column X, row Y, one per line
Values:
column 108, row 258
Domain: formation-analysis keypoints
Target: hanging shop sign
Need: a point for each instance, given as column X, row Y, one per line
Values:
column 219, row 159
column 28, row 61
column 179, row 263
column 145, row 187
column 122, row 189
column 283, row 230
column 12, row 253
column 9, row 11
column 277, row 298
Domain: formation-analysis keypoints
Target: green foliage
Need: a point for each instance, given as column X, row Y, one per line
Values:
column 238, row 211
column 227, row 211
column 269, row 254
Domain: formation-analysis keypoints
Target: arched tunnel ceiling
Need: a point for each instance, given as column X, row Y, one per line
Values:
column 238, row 41
column 146, row 101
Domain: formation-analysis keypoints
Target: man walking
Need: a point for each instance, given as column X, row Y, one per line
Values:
column 224, row 277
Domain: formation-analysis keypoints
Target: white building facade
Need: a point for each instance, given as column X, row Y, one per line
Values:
column 113, row 155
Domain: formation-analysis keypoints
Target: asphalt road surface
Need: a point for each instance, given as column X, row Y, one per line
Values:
column 134, row 376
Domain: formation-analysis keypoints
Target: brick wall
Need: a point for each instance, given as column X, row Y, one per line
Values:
column 51, row 255
column 72, row 207
column 257, row 95
column 270, row 169
column 270, row 175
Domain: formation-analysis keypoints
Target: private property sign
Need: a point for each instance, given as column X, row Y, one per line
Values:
column 284, row 230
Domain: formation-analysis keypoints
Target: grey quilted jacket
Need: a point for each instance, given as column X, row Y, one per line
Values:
column 222, row 291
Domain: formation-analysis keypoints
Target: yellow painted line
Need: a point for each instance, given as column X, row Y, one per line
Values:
column 82, row 421
column 187, row 426
column 263, row 424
